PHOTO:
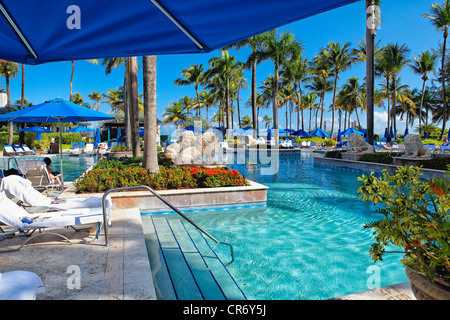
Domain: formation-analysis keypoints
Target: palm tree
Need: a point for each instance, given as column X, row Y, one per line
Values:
column 254, row 43
column 238, row 82
column 174, row 112
column 340, row 59
column 207, row 100
column 296, row 72
column 267, row 120
column 396, row 59
column 309, row 102
column 116, row 99
column 319, row 85
column 279, row 48
column 223, row 67
column 150, row 156
column 440, row 19
column 194, row 75
column 96, row 96
column 353, row 96
column 425, row 64
column 246, row 121
column 9, row 70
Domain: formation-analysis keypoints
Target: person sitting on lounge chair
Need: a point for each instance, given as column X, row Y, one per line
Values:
column 52, row 175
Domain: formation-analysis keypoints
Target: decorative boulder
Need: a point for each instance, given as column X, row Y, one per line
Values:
column 186, row 139
column 414, row 147
column 191, row 149
column 173, row 150
column 356, row 143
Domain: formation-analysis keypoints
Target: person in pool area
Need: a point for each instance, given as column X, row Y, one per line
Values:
column 53, row 175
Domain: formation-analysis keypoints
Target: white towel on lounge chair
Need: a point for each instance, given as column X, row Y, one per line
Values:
column 20, row 285
column 16, row 186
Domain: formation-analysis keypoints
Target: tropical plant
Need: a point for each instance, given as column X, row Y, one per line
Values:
column 440, row 19
column 96, row 97
column 174, row 112
column 9, row 70
column 207, row 100
column 415, row 219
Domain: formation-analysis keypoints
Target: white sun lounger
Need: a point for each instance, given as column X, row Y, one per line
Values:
column 20, row 285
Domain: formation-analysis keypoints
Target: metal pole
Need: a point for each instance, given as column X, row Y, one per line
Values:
column 60, row 152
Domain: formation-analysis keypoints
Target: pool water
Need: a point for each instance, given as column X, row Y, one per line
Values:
column 73, row 165
column 308, row 242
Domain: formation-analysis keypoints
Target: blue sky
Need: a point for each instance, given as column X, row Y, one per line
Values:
column 402, row 23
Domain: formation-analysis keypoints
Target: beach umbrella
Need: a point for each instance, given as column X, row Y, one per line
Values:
column 406, row 132
column 36, row 129
column 80, row 129
column 319, row 133
column 386, row 133
column 195, row 129
column 339, row 136
column 119, row 135
column 391, row 133
column 300, row 133
column 97, row 138
column 86, row 29
column 56, row 111
column 349, row 131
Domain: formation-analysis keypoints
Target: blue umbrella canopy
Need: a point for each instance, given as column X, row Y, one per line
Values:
column 300, row 133
column 119, row 135
column 36, row 129
column 391, row 133
column 319, row 133
column 195, row 129
column 349, row 131
column 88, row 29
column 80, row 129
column 339, row 136
column 406, row 132
column 386, row 133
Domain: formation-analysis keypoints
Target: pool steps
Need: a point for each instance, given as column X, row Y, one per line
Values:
column 187, row 261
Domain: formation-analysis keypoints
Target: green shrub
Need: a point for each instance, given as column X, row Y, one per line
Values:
column 379, row 157
column 437, row 163
column 119, row 147
column 336, row 154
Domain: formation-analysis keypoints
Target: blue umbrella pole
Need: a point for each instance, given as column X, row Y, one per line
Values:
column 60, row 152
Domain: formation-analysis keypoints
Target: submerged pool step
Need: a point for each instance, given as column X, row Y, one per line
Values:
column 194, row 269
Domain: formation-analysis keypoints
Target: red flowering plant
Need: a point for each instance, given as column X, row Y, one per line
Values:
column 102, row 179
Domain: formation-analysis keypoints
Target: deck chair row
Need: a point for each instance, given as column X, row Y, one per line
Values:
column 18, row 150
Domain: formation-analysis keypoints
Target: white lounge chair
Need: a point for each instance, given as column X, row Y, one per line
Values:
column 89, row 148
column 20, row 285
column 75, row 148
column 27, row 150
column 71, row 213
column 34, row 171
column 9, row 151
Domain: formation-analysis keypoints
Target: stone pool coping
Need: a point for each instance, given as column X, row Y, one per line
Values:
column 371, row 166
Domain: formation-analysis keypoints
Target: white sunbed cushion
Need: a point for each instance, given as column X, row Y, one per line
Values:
column 20, row 285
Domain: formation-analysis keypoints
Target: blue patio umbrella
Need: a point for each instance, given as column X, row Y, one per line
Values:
column 339, row 136
column 391, row 133
column 55, row 110
column 80, row 30
column 195, row 129
column 386, row 133
column 36, row 129
column 406, row 132
column 119, row 135
column 80, row 129
column 300, row 133
column 97, row 138
column 349, row 131
column 319, row 133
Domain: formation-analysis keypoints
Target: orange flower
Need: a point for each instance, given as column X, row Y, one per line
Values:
column 439, row 192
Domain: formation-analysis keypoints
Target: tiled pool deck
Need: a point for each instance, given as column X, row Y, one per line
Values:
column 119, row 271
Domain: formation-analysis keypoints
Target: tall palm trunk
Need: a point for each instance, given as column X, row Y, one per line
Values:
column 421, row 104
column 275, row 109
column 126, row 100
column 254, row 111
column 134, row 106
column 150, row 157
column 227, row 103
column 444, row 98
column 394, row 104
column 8, row 103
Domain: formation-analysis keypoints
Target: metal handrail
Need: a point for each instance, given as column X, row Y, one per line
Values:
column 170, row 206
column 15, row 160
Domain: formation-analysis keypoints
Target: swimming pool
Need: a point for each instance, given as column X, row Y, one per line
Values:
column 73, row 165
column 308, row 242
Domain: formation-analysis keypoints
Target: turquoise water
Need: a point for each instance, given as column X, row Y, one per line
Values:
column 73, row 165
column 308, row 242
